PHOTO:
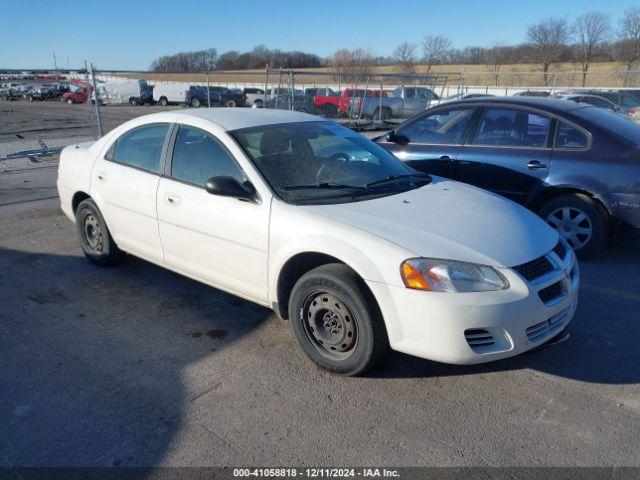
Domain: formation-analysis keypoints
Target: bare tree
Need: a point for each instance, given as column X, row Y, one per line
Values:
column 495, row 57
column 590, row 30
column 351, row 65
column 340, row 63
column 629, row 47
column 362, row 64
column 548, row 36
column 434, row 48
column 405, row 57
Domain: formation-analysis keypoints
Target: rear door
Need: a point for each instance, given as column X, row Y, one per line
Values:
column 433, row 140
column 509, row 153
column 124, row 183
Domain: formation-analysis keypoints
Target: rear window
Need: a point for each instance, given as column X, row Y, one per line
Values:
column 612, row 122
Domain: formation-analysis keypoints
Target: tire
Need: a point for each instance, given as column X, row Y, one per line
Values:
column 386, row 114
column 336, row 320
column 95, row 238
column 580, row 220
column 231, row 103
column 329, row 111
column 258, row 104
column 195, row 102
column 30, row 98
column 69, row 101
column 133, row 101
column 163, row 101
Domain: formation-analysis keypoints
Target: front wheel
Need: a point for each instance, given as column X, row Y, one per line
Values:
column 329, row 110
column 336, row 320
column 231, row 103
column 163, row 101
column 95, row 238
column 69, row 101
column 195, row 102
column 580, row 220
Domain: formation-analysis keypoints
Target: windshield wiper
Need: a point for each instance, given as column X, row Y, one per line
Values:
column 321, row 186
column 393, row 178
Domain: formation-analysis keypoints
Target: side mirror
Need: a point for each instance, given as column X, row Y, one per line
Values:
column 394, row 137
column 230, row 187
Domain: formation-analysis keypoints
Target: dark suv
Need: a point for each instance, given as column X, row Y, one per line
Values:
column 198, row 96
column 228, row 97
column 576, row 165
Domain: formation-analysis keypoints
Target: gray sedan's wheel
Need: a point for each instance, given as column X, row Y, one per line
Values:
column 582, row 222
column 336, row 320
column 95, row 239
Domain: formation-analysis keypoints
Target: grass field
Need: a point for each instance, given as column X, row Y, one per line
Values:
column 603, row 74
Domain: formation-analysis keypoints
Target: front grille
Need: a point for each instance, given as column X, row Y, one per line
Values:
column 534, row 269
column 478, row 338
column 547, row 328
column 552, row 291
column 560, row 250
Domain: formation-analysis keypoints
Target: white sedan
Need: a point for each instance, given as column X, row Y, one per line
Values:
column 313, row 220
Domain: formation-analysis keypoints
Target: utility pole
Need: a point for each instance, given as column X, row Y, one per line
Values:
column 55, row 62
column 95, row 95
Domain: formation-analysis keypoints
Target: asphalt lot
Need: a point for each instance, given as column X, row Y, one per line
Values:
column 137, row 366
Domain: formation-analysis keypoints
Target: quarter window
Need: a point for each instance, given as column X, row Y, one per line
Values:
column 140, row 148
column 512, row 128
column 570, row 137
column 444, row 127
column 197, row 157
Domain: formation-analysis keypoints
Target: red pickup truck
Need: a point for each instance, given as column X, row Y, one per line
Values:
column 78, row 95
column 348, row 101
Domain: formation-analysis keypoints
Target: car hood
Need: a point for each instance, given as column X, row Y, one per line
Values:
column 450, row 220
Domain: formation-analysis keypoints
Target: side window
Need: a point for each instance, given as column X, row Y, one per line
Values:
column 514, row 128
column 443, row 127
column 197, row 157
column 570, row 137
column 141, row 147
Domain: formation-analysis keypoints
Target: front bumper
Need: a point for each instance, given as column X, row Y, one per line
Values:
column 468, row 328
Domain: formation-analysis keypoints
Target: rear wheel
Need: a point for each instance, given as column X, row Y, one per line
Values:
column 330, row 111
column 133, row 101
column 257, row 104
column 195, row 102
column 336, row 320
column 163, row 101
column 580, row 220
column 384, row 114
column 231, row 103
column 95, row 239
column 69, row 101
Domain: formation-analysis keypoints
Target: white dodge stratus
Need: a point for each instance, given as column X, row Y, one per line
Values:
column 307, row 217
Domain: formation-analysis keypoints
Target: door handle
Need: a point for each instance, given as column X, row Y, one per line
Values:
column 446, row 158
column 172, row 199
column 101, row 176
column 536, row 165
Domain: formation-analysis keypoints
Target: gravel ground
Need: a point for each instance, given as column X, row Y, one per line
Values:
column 137, row 366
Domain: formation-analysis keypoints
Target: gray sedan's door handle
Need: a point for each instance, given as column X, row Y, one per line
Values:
column 536, row 165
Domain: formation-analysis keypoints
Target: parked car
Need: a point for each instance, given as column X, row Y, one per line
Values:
column 576, row 165
column 629, row 104
column 299, row 103
column 255, row 97
column 464, row 96
column 42, row 92
column 229, row 98
column 533, row 93
column 133, row 92
column 169, row 93
column 76, row 96
column 402, row 102
column 345, row 103
column 197, row 96
column 252, row 94
column 597, row 101
column 358, row 255
column 320, row 92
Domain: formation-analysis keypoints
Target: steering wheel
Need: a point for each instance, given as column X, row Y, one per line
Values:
column 336, row 163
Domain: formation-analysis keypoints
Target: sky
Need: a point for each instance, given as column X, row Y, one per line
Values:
column 115, row 34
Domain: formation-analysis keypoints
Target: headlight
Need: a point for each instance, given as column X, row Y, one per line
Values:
column 450, row 276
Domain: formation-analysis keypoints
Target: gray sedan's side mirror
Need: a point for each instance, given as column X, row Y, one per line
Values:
column 397, row 138
column 230, row 187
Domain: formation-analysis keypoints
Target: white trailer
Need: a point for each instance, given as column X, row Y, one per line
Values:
column 121, row 91
column 167, row 93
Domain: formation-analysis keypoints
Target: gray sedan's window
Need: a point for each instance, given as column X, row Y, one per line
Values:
column 512, row 128
column 141, row 147
column 570, row 137
column 197, row 157
column 443, row 127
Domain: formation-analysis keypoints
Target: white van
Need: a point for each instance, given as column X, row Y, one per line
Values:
column 167, row 93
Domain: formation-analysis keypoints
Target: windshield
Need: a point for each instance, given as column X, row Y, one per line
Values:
column 323, row 162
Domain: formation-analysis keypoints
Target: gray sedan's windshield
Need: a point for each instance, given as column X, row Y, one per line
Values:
column 323, row 161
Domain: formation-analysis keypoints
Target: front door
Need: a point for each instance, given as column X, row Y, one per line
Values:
column 431, row 142
column 509, row 154
column 220, row 240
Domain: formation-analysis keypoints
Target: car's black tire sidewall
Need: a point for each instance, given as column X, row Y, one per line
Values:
column 231, row 104
column 372, row 342
column 111, row 254
column 598, row 217
column 163, row 102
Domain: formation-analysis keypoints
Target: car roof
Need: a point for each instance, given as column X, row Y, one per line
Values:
column 237, row 118
column 551, row 104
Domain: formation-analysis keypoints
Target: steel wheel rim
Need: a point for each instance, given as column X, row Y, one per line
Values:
column 573, row 225
column 92, row 233
column 330, row 325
